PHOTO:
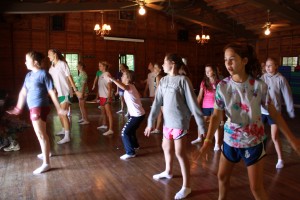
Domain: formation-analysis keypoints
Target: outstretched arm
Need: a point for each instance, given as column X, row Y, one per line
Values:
column 119, row 84
column 276, row 116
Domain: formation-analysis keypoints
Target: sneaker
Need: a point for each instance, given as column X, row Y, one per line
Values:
column 102, row 127
column 84, row 122
column 109, row 132
column 280, row 164
column 81, row 120
column 40, row 156
column 162, row 175
column 156, row 131
column 198, row 140
column 216, row 148
column 126, row 156
column 12, row 147
column 120, row 111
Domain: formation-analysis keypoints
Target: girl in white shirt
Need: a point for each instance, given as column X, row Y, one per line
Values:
column 136, row 114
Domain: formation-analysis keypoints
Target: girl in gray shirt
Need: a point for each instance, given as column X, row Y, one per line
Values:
column 175, row 93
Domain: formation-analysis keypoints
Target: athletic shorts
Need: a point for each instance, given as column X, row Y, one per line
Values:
column 103, row 101
column 250, row 155
column 65, row 99
column 172, row 133
column 39, row 112
column 207, row 111
column 267, row 118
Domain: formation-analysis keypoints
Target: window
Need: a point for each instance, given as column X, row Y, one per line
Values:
column 290, row 61
column 127, row 59
column 72, row 60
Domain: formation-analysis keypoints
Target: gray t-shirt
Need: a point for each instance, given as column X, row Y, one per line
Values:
column 176, row 95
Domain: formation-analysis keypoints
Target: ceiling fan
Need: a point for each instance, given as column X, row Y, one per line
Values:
column 267, row 26
column 146, row 3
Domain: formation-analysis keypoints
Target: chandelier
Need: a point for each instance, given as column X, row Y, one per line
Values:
column 103, row 29
column 203, row 38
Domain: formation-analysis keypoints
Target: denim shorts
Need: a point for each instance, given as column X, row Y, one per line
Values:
column 207, row 111
column 267, row 118
column 250, row 155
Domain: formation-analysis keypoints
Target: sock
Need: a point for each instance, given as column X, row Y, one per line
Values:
column 62, row 132
column 41, row 169
column 183, row 193
column 162, row 175
column 65, row 139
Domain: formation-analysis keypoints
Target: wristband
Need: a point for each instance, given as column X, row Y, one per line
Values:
column 208, row 140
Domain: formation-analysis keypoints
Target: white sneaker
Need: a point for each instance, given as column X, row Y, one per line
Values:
column 12, row 147
column 198, row 140
column 156, row 131
column 216, row 148
column 280, row 164
column 162, row 175
column 102, row 127
column 40, row 156
column 126, row 156
column 120, row 111
column 109, row 132
column 81, row 120
column 84, row 122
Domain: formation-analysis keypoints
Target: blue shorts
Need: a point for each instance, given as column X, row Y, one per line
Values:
column 207, row 111
column 250, row 155
column 267, row 118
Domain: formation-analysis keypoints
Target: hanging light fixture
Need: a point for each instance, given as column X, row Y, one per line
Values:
column 268, row 24
column 142, row 10
column 103, row 29
column 203, row 38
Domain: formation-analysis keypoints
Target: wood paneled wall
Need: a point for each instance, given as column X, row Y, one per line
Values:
column 21, row 33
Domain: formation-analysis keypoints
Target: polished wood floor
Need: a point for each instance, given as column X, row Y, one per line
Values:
column 89, row 166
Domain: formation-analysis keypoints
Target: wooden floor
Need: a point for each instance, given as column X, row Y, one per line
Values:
column 89, row 166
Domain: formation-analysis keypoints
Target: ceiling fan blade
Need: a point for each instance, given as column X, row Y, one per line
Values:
column 129, row 6
column 280, row 25
column 153, row 1
column 154, row 6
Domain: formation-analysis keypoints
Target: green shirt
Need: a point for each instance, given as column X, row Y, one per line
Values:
column 81, row 79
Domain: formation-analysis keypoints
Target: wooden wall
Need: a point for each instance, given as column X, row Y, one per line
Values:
column 21, row 33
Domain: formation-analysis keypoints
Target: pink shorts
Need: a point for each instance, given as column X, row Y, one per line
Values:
column 39, row 112
column 173, row 133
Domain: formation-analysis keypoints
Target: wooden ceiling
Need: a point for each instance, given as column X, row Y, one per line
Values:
column 239, row 18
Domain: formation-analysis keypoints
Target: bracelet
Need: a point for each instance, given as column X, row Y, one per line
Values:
column 208, row 140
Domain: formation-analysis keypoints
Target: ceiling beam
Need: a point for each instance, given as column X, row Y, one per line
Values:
column 42, row 8
column 214, row 20
column 282, row 11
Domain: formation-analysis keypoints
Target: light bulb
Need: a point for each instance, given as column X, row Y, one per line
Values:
column 267, row 31
column 142, row 10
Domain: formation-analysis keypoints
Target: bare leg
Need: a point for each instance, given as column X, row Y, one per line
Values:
column 255, row 174
column 276, row 140
column 168, row 147
column 40, row 131
column 108, row 114
column 66, row 124
column 224, row 174
column 83, row 110
column 180, row 150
